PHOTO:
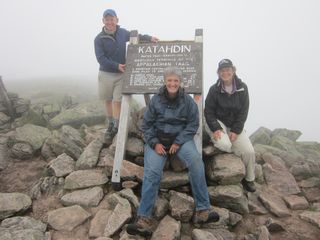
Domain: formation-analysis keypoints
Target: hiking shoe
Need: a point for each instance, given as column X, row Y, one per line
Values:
column 142, row 227
column 205, row 216
column 248, row 185
column 109, row 135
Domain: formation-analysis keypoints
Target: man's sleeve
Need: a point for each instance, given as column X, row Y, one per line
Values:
column 103, row 60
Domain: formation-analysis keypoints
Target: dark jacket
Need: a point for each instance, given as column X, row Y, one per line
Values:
column 178, row 117
column 110, row 49
column 232, row 109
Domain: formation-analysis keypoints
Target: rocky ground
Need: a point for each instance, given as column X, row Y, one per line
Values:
column 55, row 183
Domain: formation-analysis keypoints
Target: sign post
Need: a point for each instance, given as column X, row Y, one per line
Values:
column 144, row 75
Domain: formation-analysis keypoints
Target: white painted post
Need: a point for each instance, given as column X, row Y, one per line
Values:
column 198, row 99
column 123, row 130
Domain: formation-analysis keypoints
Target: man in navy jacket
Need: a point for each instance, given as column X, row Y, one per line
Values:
column 110, row 50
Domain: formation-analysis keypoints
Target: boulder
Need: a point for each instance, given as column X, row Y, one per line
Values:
column 12, row 203
column 84, row 179
column 274, row 204
column 181, row 206
column 261, row 136
column 293, row 135
column 173, row 179
column 61, row 166
column 311, row 217
column 168, row 229
column 161, row 208
column 22, row 151
column 199, row 234
column 90, row 156
column 99, row 223
column 89, row 197
column 134, row 147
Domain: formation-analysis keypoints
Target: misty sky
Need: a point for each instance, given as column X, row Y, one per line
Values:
column 274, row 45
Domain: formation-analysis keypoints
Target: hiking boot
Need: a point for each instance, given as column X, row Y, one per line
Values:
column 205, row 216
column 109, row 134
column 142, row 227
column 248, row 185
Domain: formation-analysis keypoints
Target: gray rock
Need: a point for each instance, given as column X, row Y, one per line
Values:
column 23, row 234
column 295, row 202
column 84, row 179
column 30, row 117
column 22, row 151
column 261, row 136
column 222, row 233
column 134, row 147
column 181, row 206
column 19, row 223
column 4, row 161
column 312, row 194
column 234, row 218
column 26, row 134
column 130, row 184
column 224, row 219
column 225, row 169
column 129, row 195
column 168, row 229
column 310, row 182
column 67, row 218
column 61, row 166
column 86, row 197
column 260, row 148
column 274, row 226
column 99, row 223
column 284, row 144
column 198, row 234
column 21, row 105
column 87, row 113
column 121, row 214
column 176, row 164
column 4, row 118
column 263, row 233
column 161, row 208
column 311, row 217
column 293, row 135
column 173, row 179
column 12, row 203
column 230, row 197
column 131, row 171
column 90, row 156
column 274, row 204
column 258, row 172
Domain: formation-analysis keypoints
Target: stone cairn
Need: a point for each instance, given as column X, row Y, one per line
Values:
column 79, row 169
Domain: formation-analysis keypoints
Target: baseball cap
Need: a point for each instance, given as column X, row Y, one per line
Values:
column 110, row 12
column 224, row 63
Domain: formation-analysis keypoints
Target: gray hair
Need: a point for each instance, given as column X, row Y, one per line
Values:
column 172, row 71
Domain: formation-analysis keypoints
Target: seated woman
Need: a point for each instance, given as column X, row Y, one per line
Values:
column 226, row 111
column 169, row 125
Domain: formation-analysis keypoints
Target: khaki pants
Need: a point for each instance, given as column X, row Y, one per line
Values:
column 241, row 147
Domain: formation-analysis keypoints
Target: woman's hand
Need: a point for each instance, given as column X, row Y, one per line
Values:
column 217, row 134
column 174, row 148
column 233, row 136
column 160, row 149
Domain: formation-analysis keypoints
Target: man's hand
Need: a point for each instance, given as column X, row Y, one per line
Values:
column 122, row 67
column 154, row 39
column 174, row 148
column 160, row 149
column 217, row 134
column 233, row 136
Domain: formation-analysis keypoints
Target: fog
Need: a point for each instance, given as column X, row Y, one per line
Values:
column 274, row 45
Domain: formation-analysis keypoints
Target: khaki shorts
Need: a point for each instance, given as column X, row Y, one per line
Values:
column 110, row 86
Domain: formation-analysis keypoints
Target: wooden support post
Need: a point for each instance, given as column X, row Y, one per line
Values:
column 4, row 97
column 198, row 99
column 122, row 131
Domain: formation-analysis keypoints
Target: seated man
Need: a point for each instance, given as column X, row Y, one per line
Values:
column 169, row 125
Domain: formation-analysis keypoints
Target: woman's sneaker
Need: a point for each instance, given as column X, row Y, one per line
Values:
column 109, row 134
column 248, row 185
column 142, row 227
column 205, row 216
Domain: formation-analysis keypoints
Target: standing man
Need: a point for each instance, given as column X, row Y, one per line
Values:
column 226, row 111
column 169, row 125
column 110, row 50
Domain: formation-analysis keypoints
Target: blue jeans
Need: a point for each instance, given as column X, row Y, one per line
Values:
column 153, row 169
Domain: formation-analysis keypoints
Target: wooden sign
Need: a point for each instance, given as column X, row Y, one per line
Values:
column 145, row 64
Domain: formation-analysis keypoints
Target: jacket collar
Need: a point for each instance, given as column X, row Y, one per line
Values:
column 163, row 93
column 237, row 85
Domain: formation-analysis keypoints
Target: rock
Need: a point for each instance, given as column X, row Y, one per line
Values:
column 255, row 206
column 225, row 169
column 311, row 217
column 263, row 233
column 4, row 118
column 221, row 233
column 198, row 234
column 61, row 166
column 67, row 218
column 22, row 151
column 284, row 144
column 293, row 135
column 19, row 223
column 129, row 195
column 295, row 202
column 209, row 151
column 131, row 171
column 301, row 171
column 173, row 179
column 134, row 147
column 230, row 197
column 121, row 214
column 87, row 198
column 125, row 236
column 21, row 105
column 161, row 208
column 90, row 156
column 130, row 184
column 274, row 226
column 84, row 179
column 176, row 164
column 51, row 110
column 26, row 134
column 89, row 113
column 310, row 182
column 4, row 161
column 73, row 134
column 12, row 203
column 234, row 218
column 259, row 177
column 278, row 177
column 261, row 136
column 168, row 229
column 260, row 148
column 181, row 206
column 30, row 117
column 224, row 219
column 99, row 223
column 23, row 234
column 46, row 186
column 274, row 204
column 312, row 194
